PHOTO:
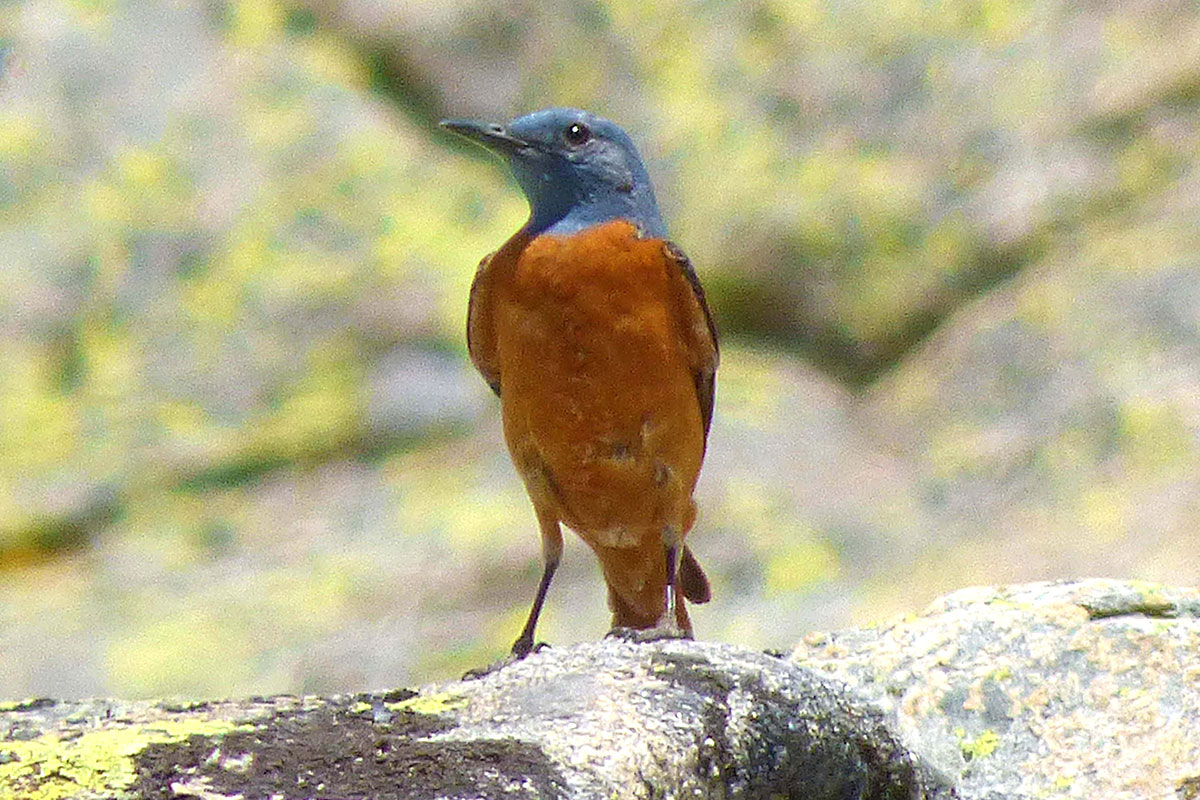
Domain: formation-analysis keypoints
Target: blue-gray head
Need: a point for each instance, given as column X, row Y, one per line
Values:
column 577, row 169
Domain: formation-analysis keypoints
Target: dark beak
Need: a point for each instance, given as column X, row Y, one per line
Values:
column 491, row 135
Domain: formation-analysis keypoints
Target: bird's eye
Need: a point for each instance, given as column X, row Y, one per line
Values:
column 577, row 134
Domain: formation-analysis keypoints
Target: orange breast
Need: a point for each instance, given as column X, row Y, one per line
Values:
column 599, row 404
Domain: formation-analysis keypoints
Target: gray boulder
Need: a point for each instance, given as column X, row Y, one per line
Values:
column 600, row 720
column 1088, row 689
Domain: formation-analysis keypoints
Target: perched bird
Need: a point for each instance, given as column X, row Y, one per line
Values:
column 593, row 330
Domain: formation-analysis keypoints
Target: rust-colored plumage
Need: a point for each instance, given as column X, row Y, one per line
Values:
column 601, row 348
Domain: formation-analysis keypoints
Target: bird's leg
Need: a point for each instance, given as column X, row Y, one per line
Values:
column 670, row 616
column 552, row 548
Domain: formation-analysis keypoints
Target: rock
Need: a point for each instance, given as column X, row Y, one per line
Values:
column 602, row 720
column 1051, row 430
column 1088, row 689
column 210, row 261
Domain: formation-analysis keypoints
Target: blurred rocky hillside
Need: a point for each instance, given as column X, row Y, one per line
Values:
column 952, row 249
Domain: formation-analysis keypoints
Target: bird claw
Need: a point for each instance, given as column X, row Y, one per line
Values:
column 642, row 635
column 510, row 659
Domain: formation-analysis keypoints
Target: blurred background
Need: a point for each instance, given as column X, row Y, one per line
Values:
column 952, row 248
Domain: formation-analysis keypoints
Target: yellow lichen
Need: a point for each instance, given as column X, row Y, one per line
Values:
column 981, row 746
column 99, row 762
column 16, row 705
column 430, row 704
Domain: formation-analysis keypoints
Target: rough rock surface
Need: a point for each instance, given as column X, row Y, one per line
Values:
column 602, row 720
column 1088, row 689
column 1061, row 690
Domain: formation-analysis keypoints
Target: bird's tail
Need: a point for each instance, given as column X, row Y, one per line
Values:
column 693, row 584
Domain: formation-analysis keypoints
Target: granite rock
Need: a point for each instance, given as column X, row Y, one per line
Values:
column 1076, row 689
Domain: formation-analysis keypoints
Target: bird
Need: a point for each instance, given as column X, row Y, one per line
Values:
column 592, row 328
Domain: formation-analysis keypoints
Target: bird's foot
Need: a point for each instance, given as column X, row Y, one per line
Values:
column 512, row 658
column 641, row 635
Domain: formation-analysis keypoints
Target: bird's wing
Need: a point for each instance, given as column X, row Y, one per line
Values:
column 481, row 335
column 697, row 328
